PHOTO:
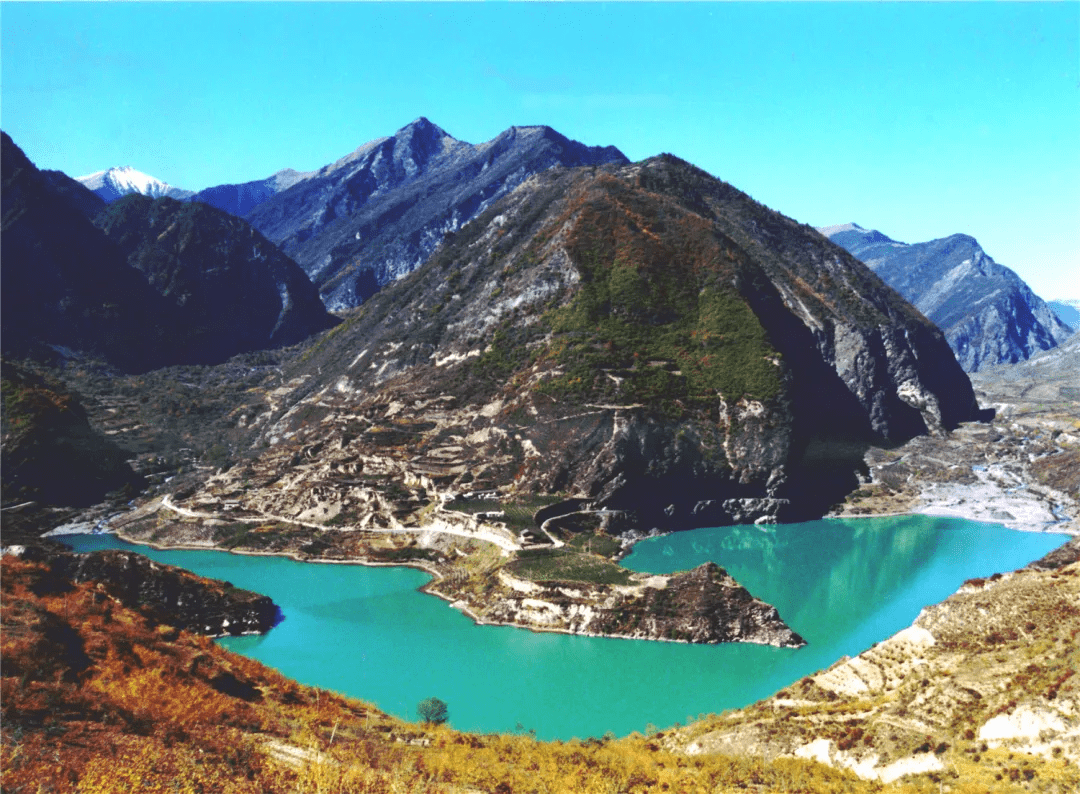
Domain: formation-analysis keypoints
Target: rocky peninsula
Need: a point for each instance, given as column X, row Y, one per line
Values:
column 165, row 594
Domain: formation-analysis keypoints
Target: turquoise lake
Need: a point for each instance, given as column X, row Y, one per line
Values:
column 843, row 585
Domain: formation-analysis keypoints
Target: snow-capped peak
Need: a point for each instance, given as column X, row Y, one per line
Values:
column 117, row 182
column 829, row 231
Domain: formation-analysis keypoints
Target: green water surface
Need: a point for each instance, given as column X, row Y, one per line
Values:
column 843, row 585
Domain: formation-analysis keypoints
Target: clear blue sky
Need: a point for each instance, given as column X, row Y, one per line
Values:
column 919, row 120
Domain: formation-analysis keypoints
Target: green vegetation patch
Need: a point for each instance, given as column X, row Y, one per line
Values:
column 593, row 543
column 322, row 341
column 519, row 510
column 507, row 353
column 563, row 565
column 258, row 536
column 655, row 319
column 27, row 401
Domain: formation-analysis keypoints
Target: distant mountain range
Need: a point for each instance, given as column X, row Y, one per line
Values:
column 379, row 212
column 115, row 183
column 1048, row 378
column 160, row 282
column 1068, row 311
column 989, row 315
column 241, row 199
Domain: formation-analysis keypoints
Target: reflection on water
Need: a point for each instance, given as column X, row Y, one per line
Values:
column 843, row 585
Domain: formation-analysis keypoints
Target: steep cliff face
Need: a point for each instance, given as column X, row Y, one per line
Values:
column 378, row 213
column 645, row 337
column 232, row 290
column 988, row 314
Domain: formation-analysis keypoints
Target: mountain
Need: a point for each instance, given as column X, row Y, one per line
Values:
column 644, row 338
column 241, row 199
column 1068, row 311
column 1046, row 379
column 75, row 194
column 164, row 283
column 50, row 453
column 117, row 182
column 989, row 315
column 378, row 213
column 232, row 289
column 63, row 285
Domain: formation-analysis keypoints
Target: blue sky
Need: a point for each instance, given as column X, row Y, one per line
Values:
column 920, row 120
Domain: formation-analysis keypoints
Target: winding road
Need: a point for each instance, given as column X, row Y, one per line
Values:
column 439, row 525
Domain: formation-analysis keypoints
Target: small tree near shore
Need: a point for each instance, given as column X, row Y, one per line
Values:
column 432, row 711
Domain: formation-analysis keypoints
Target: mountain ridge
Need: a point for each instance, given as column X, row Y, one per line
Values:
column 65, row 286
column 377, row 213
column 232, row 289
column 155, row 282
column 989, row 315
column 240, row 199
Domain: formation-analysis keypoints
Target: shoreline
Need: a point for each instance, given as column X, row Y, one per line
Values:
column 431, row 587
column 1021, row 509
column 427, row 588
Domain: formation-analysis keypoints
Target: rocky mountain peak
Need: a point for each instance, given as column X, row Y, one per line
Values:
column 989, row 315
column 852, row 234
column 379, row 212
column 421, row 128
column 416, row 145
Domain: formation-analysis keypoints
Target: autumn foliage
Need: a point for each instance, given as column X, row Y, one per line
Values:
column 101, row 698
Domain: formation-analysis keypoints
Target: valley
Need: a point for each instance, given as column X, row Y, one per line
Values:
column 506, row 394
column 531, row 368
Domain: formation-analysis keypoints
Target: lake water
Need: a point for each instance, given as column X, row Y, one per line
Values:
column 843, row 585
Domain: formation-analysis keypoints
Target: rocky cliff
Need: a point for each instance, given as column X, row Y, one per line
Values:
column 989, row 315
column 378, row 213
